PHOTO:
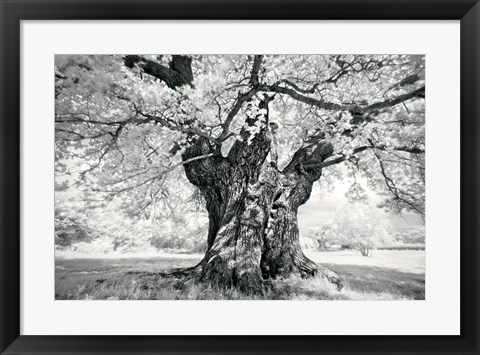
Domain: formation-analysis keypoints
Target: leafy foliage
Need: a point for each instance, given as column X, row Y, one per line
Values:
column 412, row 236
column 71, row 228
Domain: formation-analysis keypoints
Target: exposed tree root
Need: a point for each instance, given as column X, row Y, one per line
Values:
column 195, row 274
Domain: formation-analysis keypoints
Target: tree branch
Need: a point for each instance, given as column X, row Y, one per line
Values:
column 173, row 126
column 276, row 88
column 325, row 105
column 418, row 93
column 194, row 159
column 342, row 158
column 177, row 74
column 257, row 62
column 299, row 89
column 242, row 98
column 394, row 190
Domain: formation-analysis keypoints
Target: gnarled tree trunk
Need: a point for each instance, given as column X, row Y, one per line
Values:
column 252, row 206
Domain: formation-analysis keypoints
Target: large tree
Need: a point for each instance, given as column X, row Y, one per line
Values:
column 251, row 133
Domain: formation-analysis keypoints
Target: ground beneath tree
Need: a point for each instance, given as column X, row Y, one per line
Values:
column 388, row 275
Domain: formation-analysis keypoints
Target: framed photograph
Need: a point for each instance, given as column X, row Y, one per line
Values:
column 239, row 177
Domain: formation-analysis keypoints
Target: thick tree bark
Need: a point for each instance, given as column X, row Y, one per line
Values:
column 282, row 254
column 252, row 206
column 253, row 233
column 213, row 177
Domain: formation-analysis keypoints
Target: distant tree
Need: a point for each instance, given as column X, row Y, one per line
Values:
column 415, row 235
column 113, row 229
column 365, row 227
column 321, row 235
column 71, row 228
column 252, row 133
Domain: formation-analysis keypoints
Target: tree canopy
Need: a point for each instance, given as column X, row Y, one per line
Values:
column 124, row 121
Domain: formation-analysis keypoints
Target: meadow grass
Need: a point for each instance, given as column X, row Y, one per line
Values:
column 142, row 279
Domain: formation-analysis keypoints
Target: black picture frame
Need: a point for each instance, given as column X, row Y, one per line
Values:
column 14, row 11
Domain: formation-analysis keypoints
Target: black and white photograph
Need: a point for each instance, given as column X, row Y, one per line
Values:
column 240, row 177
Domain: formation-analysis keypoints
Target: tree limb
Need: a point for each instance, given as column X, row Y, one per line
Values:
column 342, row 158
column 173, row 126
column 325, row 105
column 394, row 190
column 418, row 93
column 177, row 74
column 242, row 98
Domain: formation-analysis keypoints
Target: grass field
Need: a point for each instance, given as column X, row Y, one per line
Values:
column 387, row 275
